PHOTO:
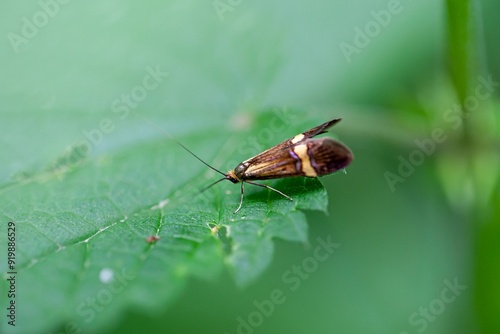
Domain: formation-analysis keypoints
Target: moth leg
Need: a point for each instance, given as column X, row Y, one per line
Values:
column 241, row 198
column 270, row 188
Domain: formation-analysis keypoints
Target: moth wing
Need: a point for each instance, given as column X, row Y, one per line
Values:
column 319, row 129
column 313, row 157
column 327, row 155
column 271, row 165
column 298, row 139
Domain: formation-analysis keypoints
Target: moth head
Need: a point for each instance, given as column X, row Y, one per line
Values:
column 231, row 176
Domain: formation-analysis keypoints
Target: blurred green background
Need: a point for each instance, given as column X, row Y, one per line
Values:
column 410, row 80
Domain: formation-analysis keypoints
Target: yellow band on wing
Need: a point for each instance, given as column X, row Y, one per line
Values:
column 307, row 168
column 297, row 138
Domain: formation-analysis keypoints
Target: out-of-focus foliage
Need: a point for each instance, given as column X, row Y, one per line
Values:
column 409, row 244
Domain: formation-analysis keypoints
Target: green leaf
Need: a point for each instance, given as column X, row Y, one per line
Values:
column 58, row 91
column 82, row 225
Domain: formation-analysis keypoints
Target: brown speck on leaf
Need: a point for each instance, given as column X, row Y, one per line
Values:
column 152, row 238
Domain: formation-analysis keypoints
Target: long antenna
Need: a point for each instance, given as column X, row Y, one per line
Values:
column 197, row 157
column 181, row 145
column 213, row 184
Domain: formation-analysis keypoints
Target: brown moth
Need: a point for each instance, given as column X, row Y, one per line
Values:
column 298, row 156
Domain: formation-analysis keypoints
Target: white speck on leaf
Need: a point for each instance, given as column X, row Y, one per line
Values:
column 106, row 275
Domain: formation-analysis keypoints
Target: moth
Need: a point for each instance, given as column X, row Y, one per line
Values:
column 298, row 156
